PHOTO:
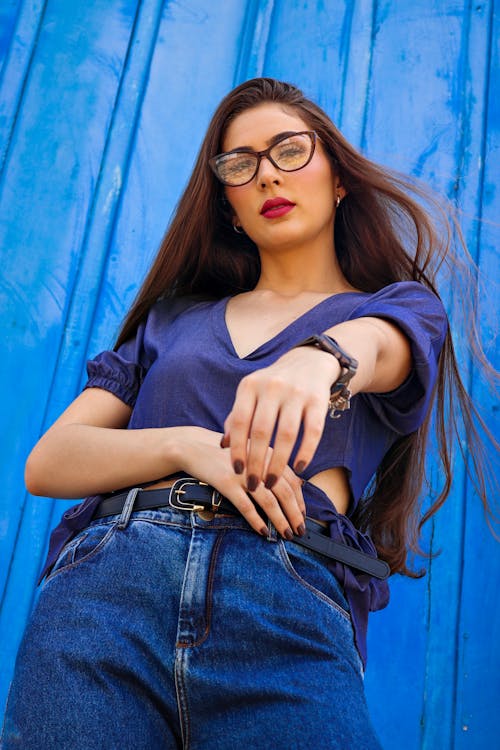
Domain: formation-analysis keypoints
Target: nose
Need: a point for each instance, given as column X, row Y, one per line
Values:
column 268, row 173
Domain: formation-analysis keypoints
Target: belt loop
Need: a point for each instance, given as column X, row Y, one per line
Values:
column 127, row 508
column 272, row 534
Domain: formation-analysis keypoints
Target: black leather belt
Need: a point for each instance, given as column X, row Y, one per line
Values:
column 190, row 494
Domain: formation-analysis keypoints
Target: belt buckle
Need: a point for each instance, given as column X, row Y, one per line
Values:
column 176, row 501
column 216, row 500
column 177, row 490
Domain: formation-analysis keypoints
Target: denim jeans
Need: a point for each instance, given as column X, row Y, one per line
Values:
column 173, row 629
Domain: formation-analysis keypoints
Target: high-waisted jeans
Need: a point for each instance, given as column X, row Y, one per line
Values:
column 168, row 629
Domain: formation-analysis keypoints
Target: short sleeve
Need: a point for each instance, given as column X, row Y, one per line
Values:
column 421, row 316
column 120, row 372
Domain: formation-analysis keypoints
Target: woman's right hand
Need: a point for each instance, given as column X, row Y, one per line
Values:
column 203, row 458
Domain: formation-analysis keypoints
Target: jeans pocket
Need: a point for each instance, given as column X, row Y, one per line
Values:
column 84, row 546
column 311, row 571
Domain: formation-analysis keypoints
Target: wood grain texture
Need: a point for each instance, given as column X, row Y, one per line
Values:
column 103, row 105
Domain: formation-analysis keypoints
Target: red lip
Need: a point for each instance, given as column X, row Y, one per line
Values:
column 274, row 203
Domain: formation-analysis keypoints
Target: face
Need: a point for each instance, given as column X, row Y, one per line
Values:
column 312, row 190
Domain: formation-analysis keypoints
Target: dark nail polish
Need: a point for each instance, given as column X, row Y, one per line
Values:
column 271, row 480
column 263, row 531
column 222, row 442
column 238, row 466
column 299, row 468
column 301, row 530
column 288, row 534
column 252, row 483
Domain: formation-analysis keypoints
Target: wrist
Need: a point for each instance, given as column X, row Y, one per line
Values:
column 340, row 394
column 173, row 447
column 181, row 445
column 324, row 361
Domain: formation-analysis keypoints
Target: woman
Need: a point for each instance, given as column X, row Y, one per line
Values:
column 276, row 374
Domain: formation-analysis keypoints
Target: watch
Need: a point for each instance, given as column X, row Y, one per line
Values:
column 340, row 395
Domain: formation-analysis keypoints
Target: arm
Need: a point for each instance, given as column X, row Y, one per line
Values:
column 296, row 389
column 87, row 452
column 381, row 349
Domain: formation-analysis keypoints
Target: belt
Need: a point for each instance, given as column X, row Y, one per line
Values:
column 190, row 494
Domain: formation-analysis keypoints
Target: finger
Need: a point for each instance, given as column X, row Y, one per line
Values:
column 296, row 483
column 240, row 499
column 261, row 432
column 237, row 425
column 314, row 424
column 294, row 510
column 287, row 431
column 271, row 506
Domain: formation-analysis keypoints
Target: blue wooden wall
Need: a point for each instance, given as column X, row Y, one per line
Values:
column 103, row 104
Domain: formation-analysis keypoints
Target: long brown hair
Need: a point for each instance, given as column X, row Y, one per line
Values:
column 382, row 235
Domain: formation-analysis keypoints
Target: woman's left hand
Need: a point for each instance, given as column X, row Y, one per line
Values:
column 294, row 390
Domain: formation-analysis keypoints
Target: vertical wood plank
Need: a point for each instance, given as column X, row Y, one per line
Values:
column 66, row 107
column 478, row 647
column 20, row 23
column 446, row 595
column 254, row 39
column 103, row 105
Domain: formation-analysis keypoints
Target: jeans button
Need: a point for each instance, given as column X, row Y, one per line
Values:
column 205, row 515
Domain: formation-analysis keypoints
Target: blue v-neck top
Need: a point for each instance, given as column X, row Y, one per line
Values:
column 181, row 368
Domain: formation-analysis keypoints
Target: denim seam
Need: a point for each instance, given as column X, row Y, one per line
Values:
column 181, row 693
column 208, row 595
column 72, row 549
column 316, row 592
column 104, row 541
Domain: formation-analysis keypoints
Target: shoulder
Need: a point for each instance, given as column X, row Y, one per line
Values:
column 167, row 309
column 169, row 306
column 409, row 292
column 408, row 303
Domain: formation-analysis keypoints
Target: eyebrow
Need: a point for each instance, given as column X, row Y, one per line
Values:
column 269, row 142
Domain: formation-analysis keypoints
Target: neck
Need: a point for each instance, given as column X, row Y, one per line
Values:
column 290, row 272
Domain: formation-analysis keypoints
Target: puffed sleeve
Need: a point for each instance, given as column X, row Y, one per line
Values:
column 120, row 372
column 421, row 316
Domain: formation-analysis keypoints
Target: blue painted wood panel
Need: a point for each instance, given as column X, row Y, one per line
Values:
column 103, row 105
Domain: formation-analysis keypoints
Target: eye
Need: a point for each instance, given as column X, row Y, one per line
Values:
column 239, row 165
column 292, row 151
column 236, row 164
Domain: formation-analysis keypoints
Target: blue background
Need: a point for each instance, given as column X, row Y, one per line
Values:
column 103, row 105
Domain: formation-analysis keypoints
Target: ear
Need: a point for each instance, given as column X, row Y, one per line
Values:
column 339, row 188
column 234, row 217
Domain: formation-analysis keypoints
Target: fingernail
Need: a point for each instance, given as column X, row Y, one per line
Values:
column 263, row 531
column 224, row 443
column 301, row 530
column 252, row 483
column 299, row 468
column 238, row 466
column 288, row 533
column 271, row 480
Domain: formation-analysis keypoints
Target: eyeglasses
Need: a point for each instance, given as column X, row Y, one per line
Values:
column 290, row 153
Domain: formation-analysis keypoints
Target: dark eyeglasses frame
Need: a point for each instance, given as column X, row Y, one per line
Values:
column 261, row 154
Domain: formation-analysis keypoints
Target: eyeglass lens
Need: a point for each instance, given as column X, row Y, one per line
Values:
column 289, row 154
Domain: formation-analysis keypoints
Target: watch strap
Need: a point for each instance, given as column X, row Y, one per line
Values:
column 340, row 394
